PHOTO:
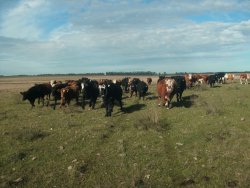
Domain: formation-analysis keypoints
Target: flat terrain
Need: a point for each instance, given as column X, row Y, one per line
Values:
column 201, row 142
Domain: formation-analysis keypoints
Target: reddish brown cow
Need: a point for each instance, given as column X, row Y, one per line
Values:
column 68, row 93
column 243, row 78
column 166, row 89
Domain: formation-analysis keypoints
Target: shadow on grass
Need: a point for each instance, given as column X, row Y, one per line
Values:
column 215, row 86
column 186, row 102
column 134, row 107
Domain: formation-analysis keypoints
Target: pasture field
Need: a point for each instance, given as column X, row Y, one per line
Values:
column 202, row 142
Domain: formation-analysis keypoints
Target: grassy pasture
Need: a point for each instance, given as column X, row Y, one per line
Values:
column 202, row 142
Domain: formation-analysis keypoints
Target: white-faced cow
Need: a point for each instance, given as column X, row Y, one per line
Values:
column 166, row 89
column 243, row 78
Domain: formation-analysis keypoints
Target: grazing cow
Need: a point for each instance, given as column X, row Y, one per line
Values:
column 68, row 93
column 166, row 89
column 112, row 92
column 149, row 81
column 142, row 89
column 90, row 90
column 36, row 92
column 56, row 92
column 212, row 79
column 243, row 78
column 180, row 86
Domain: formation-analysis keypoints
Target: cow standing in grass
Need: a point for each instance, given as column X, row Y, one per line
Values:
column 180, row 86
column 212, row 79
column 56, row 92
column 166, row 89
column 90, row 90
column 243, row 78
column 149, row 81
column 39, row 91
column 111, row 93
column 133, row 86
column 142, row 89
column 68, row 93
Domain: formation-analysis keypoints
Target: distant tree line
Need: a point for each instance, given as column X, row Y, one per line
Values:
column 139, row 73
column 135, row 73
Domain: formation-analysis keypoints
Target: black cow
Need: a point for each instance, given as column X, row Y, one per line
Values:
column 142, row 89
column 125, row 84
column 90, row 90
column 212, row 79
column 112, row 92
column 36, row 92
column 180, row 86
column 133, row 86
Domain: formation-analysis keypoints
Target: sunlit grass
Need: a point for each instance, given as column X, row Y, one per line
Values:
column 202, row 142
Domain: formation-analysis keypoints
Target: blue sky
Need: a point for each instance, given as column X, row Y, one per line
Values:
column 80, row 36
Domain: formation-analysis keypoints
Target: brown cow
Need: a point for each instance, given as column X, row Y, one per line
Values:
column 68, row 93
column 243, row 78
column 149, row 81
column 166, row 89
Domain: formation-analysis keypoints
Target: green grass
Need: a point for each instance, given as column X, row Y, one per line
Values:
column 203, row 142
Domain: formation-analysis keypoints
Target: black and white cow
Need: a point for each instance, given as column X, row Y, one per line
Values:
column 111, row 93
column 90, row 90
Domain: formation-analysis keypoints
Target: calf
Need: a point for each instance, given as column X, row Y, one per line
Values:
column 36, row 92
column 112, row 92
column 56, row 92
column 166, row 89
column 180, row 86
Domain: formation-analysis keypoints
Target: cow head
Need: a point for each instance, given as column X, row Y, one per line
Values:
column 24, row 94
column 64, row 92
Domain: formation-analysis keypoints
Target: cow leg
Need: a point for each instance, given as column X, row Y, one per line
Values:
column 159, row 101
column 43, row 100
column 120, row 102
column 55, row 104
column 131, row 93
column 32, row 102
column 48, row 99
column 83, row 102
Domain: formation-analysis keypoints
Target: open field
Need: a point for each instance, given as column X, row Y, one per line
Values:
column 202, row 142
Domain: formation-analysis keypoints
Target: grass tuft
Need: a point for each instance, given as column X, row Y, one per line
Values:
column 151, row 119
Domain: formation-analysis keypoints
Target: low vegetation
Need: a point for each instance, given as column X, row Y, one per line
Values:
column 201, row 142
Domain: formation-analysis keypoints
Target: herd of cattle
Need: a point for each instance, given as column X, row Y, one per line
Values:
column 112, row 90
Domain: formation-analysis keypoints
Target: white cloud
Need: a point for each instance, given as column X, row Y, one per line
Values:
column 20, row 22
